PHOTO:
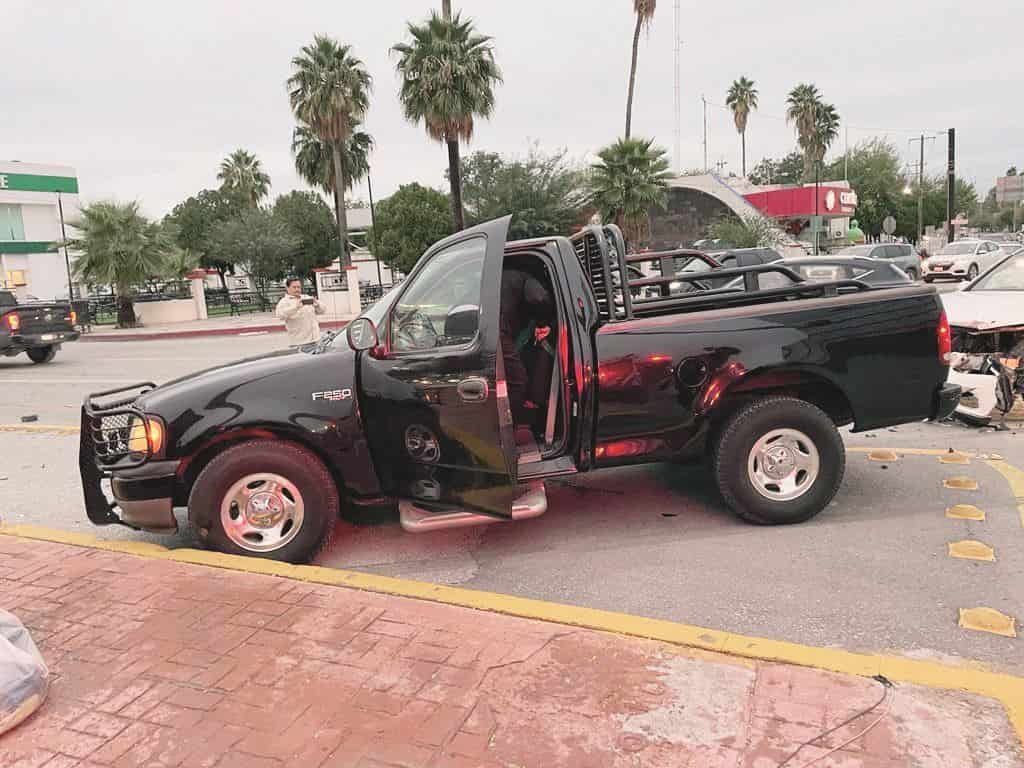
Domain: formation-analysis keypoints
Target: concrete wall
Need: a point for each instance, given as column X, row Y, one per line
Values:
column 685, row 218
column 172, row 311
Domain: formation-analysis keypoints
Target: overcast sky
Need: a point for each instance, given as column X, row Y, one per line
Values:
column 145, row 98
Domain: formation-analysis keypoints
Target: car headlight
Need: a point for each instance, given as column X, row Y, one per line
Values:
column 146, row 435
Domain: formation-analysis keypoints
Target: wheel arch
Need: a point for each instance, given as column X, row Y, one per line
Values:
column 190, row 469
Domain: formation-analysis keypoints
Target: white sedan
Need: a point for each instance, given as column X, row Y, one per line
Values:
column 962, row 260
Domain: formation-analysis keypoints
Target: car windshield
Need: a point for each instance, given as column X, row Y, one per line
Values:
column 957, row 249
column 1008, row 276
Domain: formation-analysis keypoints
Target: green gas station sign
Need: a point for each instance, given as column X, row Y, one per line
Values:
column 26, row 182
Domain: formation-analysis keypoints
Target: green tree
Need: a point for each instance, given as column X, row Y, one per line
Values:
column 745, row 232
column 120, row 247
column 314, row 160
column 194, row 221
column 817, row 124
column 741, row 99
column 310, row 220
column 544, row 193
column 241, row 174
column 644, row 11
column 261, row 243
column 448, row 76
column 787, row 170
column 874, row 170
column 630, row 179
column 407, row 223
column 329, row 91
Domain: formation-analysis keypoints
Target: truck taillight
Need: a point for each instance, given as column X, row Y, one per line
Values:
column 945, row 341
column 73, row 317
column 13, row 321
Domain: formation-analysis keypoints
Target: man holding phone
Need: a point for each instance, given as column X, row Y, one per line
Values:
column 299, row 314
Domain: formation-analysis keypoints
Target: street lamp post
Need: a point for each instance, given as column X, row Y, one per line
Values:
column 373, row 231
column 64, row 240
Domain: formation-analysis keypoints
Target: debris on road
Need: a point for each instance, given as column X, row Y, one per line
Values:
column 29, row 418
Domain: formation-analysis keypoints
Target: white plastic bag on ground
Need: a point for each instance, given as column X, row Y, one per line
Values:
column 24, row 678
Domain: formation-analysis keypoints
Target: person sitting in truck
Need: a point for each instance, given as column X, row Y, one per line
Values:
column 527, row 309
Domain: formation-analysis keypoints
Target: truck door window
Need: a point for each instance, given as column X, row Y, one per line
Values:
column 441, row 306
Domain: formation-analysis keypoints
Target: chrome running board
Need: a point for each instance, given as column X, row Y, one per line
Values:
column 533, row 503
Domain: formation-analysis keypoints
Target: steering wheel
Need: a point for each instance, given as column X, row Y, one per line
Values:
column 416, row 332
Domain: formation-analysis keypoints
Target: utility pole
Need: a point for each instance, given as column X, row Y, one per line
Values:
column 705, row 103
column 373, row 231
column 950, row 183
column 678, row 88
column 67, row 258
column 920, row 185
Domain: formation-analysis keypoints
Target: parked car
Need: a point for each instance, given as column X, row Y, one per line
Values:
column 962, row 260
column 903, row 255
column 410, row 407
column 746, row 257
column 873, row 271
column 987, row 316
column 36, row 328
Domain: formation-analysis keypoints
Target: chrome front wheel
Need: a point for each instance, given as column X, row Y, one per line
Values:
column 262, row 512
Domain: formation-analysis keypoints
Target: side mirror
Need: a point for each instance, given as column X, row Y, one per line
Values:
column 361, row 334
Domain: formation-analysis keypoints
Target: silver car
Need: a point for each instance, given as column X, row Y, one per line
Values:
column 903, row 255
column 963, row 260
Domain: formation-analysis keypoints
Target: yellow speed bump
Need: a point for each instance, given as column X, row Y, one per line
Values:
column 955, row 458
column 961, row 483
column 971, row 550
column 52, row 429
column 987, row 620
column 965, row 512
column 883, row 455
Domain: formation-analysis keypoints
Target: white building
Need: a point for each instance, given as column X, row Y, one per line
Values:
column 31, row 198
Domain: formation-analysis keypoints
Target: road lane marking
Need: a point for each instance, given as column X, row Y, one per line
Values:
column 965, row 512
column 883, row 455
column 973, row 678
column 1015, row 478
column 903, row 451
column 960, row 483
column 969, row 549
column 988, row 620
column 58, row 429
column 955, row 458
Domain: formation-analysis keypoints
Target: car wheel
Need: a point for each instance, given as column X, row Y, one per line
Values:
column 265, row 498
column 40, row 355
column 972, row 271
column 779, row 460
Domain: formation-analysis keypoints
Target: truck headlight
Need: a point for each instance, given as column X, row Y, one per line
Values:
column 146, row 436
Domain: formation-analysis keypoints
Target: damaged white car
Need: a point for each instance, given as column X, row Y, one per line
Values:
column 986, row 320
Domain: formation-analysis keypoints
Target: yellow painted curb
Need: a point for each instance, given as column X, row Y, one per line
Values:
column 59, row 429
column 972, row 550
column 1007, row 689
column 1016, row 480
column 965, row 512
column 905, row 451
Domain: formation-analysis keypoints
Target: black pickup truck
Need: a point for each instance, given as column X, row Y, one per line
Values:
column 410, row 407
column 35, row 328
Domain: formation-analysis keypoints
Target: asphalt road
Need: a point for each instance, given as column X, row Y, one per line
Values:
column 870, row 573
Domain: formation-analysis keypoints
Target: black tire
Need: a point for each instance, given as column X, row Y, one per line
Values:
column 298, row 465
column 737, row 439
column 40, row 355
column 972, row 272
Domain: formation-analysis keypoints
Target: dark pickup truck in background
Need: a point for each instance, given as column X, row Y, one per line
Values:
column 410, row 407
column 36, row 328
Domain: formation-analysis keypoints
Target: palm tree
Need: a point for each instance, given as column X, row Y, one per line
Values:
column 122, row 248
column 329, row 92
column 448, row 77
column 644, row 10
column 631, row 178
column 314, row 159
column 826, row 129
column 741, row 99
column 802, row 107
column 241, row 173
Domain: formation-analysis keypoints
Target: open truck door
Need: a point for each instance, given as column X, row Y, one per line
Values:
column 434, row 388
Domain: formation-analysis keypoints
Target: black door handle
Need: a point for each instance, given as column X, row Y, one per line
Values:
column 473, row 390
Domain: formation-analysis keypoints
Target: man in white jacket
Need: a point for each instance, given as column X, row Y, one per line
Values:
column 299, row 314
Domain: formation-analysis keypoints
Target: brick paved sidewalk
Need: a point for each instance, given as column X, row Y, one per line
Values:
column 158, row 663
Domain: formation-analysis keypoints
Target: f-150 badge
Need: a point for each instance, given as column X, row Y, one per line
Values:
column 333, row 394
